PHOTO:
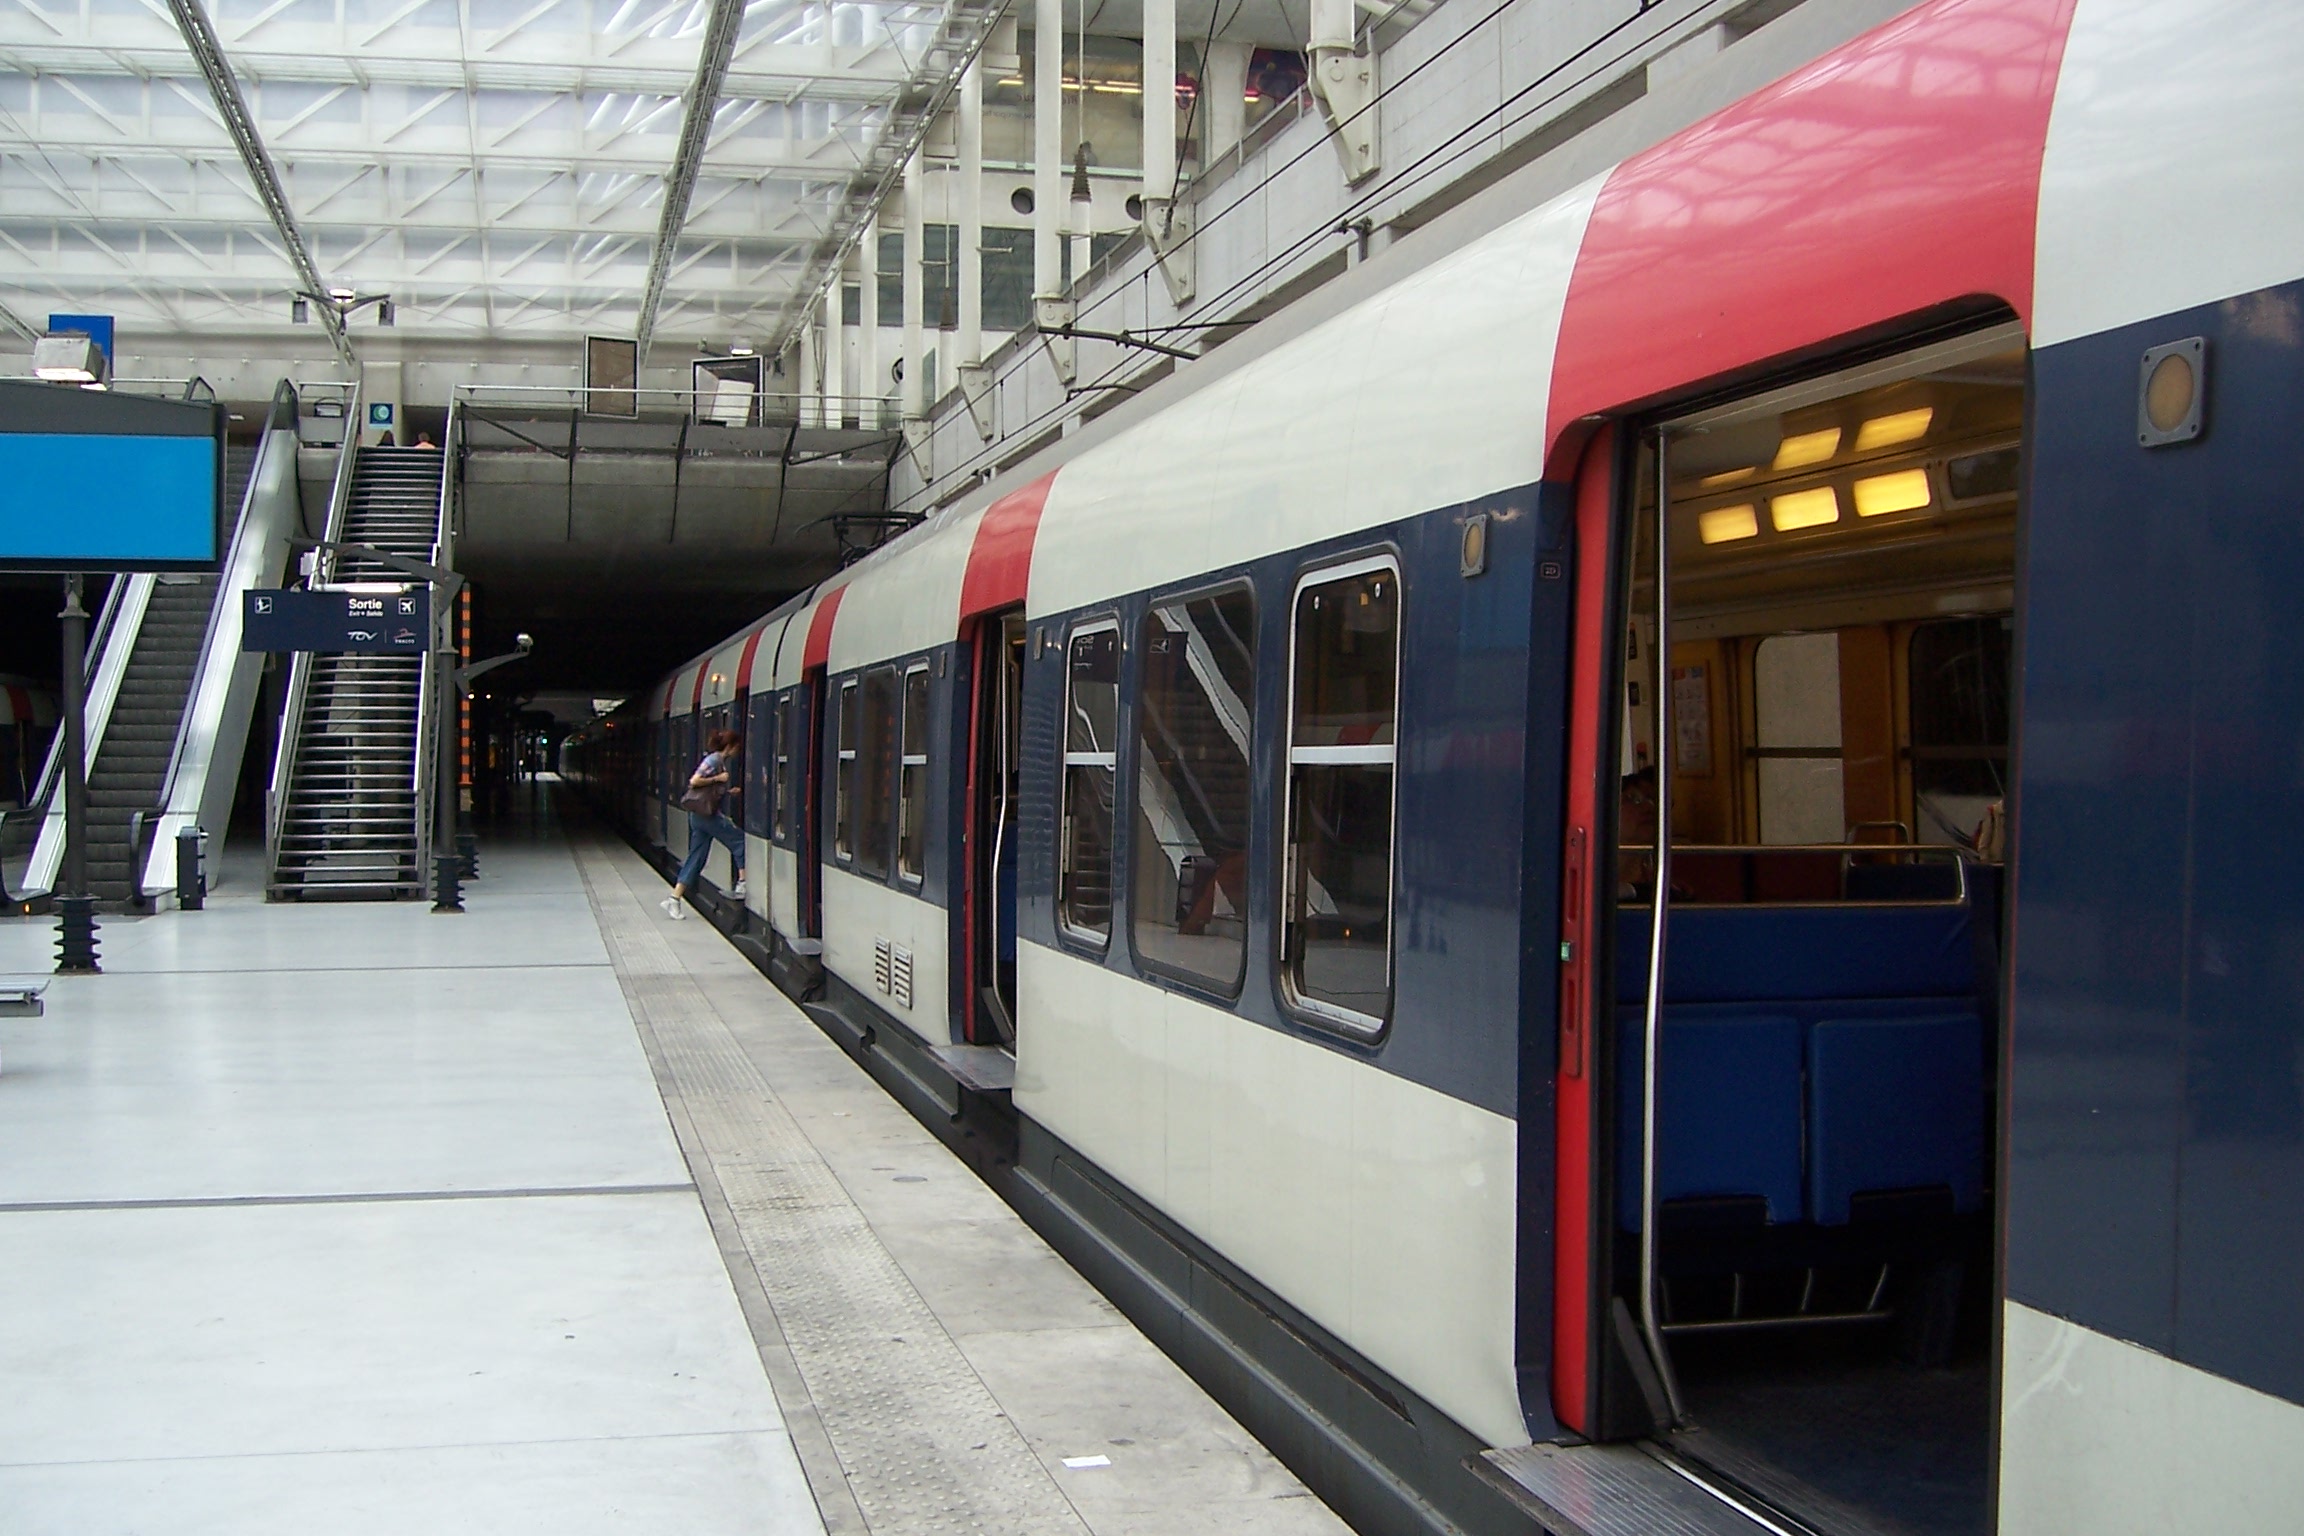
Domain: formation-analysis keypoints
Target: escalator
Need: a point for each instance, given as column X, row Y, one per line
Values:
column 131, row 767
column 170, row 694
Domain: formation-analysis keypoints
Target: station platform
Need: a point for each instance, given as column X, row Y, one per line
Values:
column 551, row 1216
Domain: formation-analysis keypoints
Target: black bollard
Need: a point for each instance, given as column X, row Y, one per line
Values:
column 191, row 870
column 447, row 892
column 76, row 936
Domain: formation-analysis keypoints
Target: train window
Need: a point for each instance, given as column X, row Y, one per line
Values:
column 1336, row 937
column 876, row 807
column 1091, row 745
column 787, row 714
column 844, row 784
column 912, row 779
column 1796, row 713
column 1959, row 704
column 1188, row 905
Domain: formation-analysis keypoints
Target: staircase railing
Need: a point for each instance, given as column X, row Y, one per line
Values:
column 300, row 662
column 204, row 767
column 434, row 691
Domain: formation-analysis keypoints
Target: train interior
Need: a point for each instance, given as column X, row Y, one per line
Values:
column 1840, row 576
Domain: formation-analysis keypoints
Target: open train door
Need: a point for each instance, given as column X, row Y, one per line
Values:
column 996, row 723
column 992, row 636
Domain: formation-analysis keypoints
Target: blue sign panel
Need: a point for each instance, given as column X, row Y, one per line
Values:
column 371, row 623
column 379, row 413
column 94, row 481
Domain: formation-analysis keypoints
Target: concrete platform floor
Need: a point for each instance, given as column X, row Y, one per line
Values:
column 551, row 1217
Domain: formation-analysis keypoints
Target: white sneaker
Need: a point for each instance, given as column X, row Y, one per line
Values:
column 674, row 908
column 736, row 892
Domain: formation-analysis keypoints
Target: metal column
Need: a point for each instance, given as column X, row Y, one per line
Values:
column 1047, row 147
column 1159, row 104
column 1652, row 1015
column 968, row 346
column 871, row 380
column 915, row 294
column 832, row 361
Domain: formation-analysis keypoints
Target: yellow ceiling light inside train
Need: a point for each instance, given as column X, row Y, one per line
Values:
column 1725, row 525
column 1805, row 448
column 1804, row 509
column 1904, row 491
column 1888, row 431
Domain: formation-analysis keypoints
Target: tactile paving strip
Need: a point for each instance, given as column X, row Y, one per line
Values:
column 924, row 1446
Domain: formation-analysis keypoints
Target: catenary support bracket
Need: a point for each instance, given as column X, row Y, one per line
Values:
column 1344, row 78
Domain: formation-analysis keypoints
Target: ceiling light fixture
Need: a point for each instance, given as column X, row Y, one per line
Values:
column 1888, row 431
column 1724, row 525
column 1806, row 448
column 1804, row 509
column 1904, row 491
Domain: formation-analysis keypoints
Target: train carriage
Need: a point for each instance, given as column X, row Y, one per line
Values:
column 1667, row 828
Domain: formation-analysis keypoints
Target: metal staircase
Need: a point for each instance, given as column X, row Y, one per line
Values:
column 348, row 807
column 131, row 766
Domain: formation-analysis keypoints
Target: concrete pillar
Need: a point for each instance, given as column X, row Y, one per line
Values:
column 915, row 290
column 968, row 346
column 1223, row 99
column 1159, row 100
column 871, row 381
column 1047, row 147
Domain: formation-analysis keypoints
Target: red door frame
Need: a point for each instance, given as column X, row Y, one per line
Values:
column 1576, row 1296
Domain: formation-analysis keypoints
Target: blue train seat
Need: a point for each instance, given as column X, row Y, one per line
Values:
column 1745, row 954
column 1728, row 1110
column 1894, row 1104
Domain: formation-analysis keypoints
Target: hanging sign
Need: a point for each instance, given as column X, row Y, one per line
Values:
column 368, row 623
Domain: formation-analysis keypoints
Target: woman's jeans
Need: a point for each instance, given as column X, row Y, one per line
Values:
column 703, row 831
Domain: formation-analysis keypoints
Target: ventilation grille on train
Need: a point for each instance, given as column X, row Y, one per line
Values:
column 892, row 971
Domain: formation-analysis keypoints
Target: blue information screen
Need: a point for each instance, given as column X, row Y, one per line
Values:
column 95, row 481
column 98, row 501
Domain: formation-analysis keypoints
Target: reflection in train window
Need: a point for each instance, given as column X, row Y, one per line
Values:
column 1337, row 933
column 1189, row 902
column 1091, row 741
column 1796, row 710
column 912, row 778
column 875, row 819
column 844, row 785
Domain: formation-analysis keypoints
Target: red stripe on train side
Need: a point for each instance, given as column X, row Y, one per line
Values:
column 696, row 699
column 818, row 650
column 1000, row 559
column 744, row 662
column 1896, row 174
column 1572, row 1313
